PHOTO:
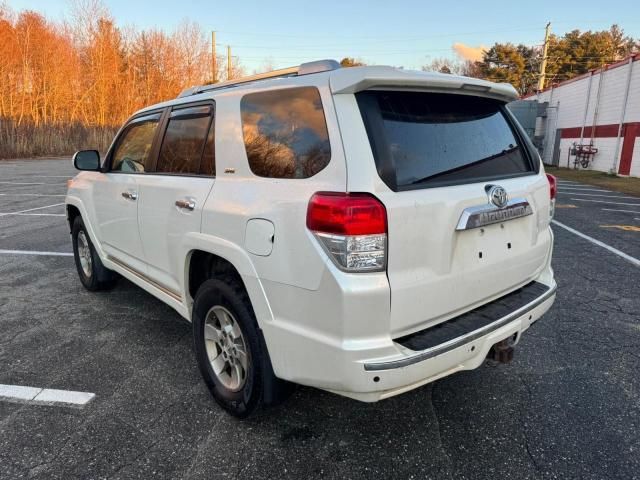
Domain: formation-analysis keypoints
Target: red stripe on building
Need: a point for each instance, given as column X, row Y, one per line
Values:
column 631, row 131
column 602, row 131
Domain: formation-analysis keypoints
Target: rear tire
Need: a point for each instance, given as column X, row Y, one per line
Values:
column 230, row 350
column 93, row 274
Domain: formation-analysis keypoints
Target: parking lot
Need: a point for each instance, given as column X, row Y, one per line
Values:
column 567, row 407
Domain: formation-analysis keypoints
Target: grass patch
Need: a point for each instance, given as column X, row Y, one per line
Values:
column 27, row 140
column 628, row 185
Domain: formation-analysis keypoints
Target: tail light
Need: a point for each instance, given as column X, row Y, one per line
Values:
column 553, row 190
column 352, row 228
column 553, row 186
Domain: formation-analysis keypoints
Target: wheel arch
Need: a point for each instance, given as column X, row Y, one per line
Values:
column 75, row 208
column 204, row 265
column 208, row 257
column 72, row 213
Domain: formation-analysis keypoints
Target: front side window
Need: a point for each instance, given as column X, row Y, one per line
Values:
column 285, row 132
column 133, row 150
column 424, row 139
column 183, row 146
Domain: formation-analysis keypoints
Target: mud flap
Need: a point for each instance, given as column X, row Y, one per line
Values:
column 275, row 390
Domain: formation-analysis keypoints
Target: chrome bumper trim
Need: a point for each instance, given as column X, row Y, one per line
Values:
column 457, row 342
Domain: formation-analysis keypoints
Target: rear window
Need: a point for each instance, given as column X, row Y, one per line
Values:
column 285, row 132
column 433, row 139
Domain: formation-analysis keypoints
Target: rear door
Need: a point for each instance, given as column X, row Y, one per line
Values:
column 116, row 194
column 442, row 157
column 171, row 199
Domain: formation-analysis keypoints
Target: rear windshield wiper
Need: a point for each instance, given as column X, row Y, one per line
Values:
column 506, row 151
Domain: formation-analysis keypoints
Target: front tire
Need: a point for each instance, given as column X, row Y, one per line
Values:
column 93, row 274
column 231, row 355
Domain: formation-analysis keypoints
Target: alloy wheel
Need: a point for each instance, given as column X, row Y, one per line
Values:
column 84, row 254
column 226, row 348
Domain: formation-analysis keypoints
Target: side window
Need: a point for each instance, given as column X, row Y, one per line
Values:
column 134, row 146
column 184, row 141
column 285, row 132
column 208, row 163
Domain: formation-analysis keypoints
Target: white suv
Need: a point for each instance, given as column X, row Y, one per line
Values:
column 361, row 230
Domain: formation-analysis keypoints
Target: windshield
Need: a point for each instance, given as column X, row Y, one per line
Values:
column 428, row 139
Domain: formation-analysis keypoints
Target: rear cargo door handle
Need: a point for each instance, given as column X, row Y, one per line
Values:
column 186, row 204
column 130, row 195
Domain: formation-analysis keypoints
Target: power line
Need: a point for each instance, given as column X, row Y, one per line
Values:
column 378, row 37
column 395, row 38
column 329, row 47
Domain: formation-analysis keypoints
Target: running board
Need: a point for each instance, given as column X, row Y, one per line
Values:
column 143, row 277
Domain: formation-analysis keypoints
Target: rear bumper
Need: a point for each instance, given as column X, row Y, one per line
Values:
column 373, row 366
column 410, row 369
column 466, row 328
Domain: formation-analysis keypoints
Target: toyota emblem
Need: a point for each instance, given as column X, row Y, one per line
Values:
column 498, row 196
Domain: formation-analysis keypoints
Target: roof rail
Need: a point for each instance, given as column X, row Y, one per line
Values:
column 303, row 69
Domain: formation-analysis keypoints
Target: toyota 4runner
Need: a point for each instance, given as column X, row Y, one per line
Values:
column 361, row 230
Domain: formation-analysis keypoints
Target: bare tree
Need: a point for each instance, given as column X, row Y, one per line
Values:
column 192, row 50
column 267, row 65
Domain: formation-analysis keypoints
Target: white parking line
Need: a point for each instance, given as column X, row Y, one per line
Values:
column 604, row 201
column 27, row 176
column 38, row 214
column 33, row 194
column 579, row 185
column 30, row 183
column 31, row 209
column 44, row 396
column 36, row 252
column 628, row 258
column 617, row 210
column 583, row 189
column 598, row 195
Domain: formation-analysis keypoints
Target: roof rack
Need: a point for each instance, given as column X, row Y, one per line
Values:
column 303, row 69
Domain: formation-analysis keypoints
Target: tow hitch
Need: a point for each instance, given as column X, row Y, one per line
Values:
column 502, row 351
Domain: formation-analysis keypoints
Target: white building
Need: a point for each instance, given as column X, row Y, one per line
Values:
column 599, row 109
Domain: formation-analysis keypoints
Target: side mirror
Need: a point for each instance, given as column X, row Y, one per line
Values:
column 87, row 160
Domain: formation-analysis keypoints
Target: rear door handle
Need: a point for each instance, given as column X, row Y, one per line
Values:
column 186, row 204
column 130, row 195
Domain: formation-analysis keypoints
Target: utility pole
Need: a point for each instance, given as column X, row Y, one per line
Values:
column 214, row 69
column 228, row 62
column 543, row 65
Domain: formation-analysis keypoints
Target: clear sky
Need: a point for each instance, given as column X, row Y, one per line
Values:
column 407, row 33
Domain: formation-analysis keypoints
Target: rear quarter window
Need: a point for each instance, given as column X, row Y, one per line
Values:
column 285, row 133
column 424, row 139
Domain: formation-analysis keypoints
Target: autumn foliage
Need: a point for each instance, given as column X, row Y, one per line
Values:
column 69, row 85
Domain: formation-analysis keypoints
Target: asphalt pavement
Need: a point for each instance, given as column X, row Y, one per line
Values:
column 568, row 406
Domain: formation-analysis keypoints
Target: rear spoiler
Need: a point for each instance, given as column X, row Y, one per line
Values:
column 355, row 79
